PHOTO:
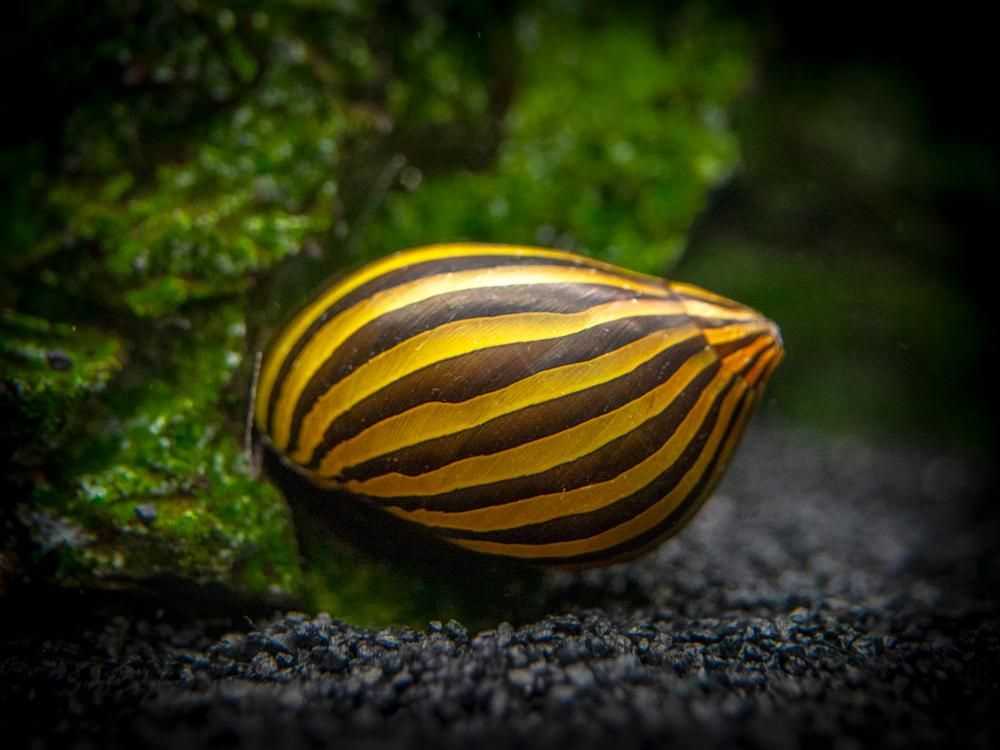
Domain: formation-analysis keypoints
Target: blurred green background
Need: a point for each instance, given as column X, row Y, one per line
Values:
column 178, row 176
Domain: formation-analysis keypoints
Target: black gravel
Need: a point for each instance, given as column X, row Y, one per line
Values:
column 831, row 595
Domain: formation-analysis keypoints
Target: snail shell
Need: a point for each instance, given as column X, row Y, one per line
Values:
column 517, row 401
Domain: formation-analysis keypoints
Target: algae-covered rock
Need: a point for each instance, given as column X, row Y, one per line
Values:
column 618, row 126
column 162, row 486
column 201, row 145
column 49, row 372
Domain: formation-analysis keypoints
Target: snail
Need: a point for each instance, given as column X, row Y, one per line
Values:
column 517, row 401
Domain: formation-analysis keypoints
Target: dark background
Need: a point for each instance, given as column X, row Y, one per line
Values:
column 867, row 201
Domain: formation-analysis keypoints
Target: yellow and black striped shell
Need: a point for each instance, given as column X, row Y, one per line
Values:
column 517, row 401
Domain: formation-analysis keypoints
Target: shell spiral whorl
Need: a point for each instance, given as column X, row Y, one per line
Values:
column 517, row 401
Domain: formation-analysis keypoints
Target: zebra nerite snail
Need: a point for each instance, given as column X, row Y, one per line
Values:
column 517, row 401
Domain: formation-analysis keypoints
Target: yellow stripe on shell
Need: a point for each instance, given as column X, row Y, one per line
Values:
column 541, row 454
column 339, row 329
column 436, row 419
column 288, row 337
column 733, row 332
column 590, row 497
column 452, row 340
column 632, row 527
column 725, row 454
column 690, row 290
column 700, row 309
column 548, row 507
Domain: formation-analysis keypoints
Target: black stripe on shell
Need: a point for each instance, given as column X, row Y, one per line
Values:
column 676, row 517
column 460, row 378
column 532, row 422
column 394, row 278
column 392, row 329
column 584, row 525
column 636, row 544
column 601, row 465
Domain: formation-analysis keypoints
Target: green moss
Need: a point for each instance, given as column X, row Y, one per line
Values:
column 259, row 183
column 219, row 158
column 50, row 370
column 374, row 590
column 162, row 487
column 616, row 132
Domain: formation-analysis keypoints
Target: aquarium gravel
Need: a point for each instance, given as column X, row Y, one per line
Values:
column 832, row 594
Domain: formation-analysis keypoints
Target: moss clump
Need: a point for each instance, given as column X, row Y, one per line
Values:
column 204, row 148
column 194, row 220
column 617, row 129
column 161, row 487
column 49, row 371
column 412, row 582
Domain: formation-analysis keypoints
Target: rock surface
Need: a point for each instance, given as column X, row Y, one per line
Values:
column 185, row 154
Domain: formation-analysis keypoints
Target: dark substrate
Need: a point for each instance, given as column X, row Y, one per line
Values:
column 831, row 594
